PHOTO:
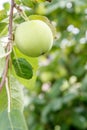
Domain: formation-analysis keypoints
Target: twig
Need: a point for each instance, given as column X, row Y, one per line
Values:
column 6, row 54
column 10, row 38
column 21, row 12
column 17, row 7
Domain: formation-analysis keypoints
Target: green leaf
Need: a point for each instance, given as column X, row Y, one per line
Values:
column 69, row 97
column 84, row 84
column 46, row 20
column 23, row 68
column 79, row 121
column 3, row 99
column 18, row 2
column 13, row 120
column 16, row 94
column 56, row 89
column 34, row 62
column 3, row 14
column 2, row 60
column 2, row 26
column 44, row 113
column 54, row 5
column 56, row 104
column 6, row 6
column 28, row 3
column 3, row 29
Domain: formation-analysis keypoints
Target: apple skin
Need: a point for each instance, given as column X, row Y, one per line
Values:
column 33, row 38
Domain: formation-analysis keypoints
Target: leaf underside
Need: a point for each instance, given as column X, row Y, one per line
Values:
column 22, row 68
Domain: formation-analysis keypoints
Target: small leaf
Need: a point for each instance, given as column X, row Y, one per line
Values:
column 3, row 14
column 18, row 2
column 2, row 26
column 6, row 6
column 30, row 84
column 28, row 3
column 22, row 68
column 46, row 20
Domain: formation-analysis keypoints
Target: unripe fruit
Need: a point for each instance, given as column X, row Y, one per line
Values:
column 33, row 38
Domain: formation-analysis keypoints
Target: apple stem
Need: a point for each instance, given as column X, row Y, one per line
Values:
column 10, row 39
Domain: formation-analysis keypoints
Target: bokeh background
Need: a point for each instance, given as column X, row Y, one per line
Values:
column 59, row 100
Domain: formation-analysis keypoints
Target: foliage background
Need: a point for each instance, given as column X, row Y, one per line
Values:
column 59, row 99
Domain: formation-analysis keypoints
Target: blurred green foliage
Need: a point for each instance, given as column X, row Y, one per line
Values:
column 59, row 100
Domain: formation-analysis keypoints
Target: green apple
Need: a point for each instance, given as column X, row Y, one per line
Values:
column 33, row 38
